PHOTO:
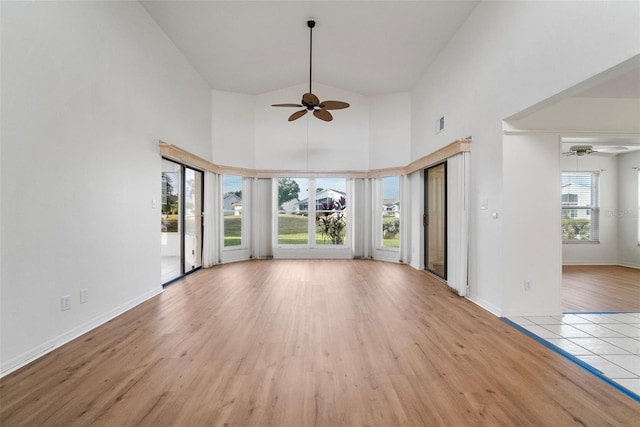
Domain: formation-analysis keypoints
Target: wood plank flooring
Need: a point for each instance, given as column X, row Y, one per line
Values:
column 308, row 343
column 600, row 288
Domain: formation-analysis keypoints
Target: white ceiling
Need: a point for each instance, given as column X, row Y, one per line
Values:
column 626, row 85
column 367, row 47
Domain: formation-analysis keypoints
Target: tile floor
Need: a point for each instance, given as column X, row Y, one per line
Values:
column 608, row 342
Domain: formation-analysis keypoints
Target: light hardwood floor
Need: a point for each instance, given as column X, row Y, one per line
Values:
column 600, row 288
column 308, row 343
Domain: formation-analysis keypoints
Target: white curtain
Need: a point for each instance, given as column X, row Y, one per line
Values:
column 210, row 254
column 458, row 222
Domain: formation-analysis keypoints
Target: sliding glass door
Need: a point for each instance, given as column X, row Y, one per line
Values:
column 436, row 220
column 181, row 220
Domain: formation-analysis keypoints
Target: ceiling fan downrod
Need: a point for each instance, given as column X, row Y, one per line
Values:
column 310, row 102
column 310, row 23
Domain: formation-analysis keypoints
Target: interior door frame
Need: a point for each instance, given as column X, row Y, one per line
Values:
column 426, row 219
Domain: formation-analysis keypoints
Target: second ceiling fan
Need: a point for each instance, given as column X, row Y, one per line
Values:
column 310, row 102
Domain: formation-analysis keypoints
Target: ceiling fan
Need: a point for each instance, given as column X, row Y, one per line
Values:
column 310, row 102
column 579, row 150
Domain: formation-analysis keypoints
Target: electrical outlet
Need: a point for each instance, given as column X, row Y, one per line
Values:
column 84, row 296
column 65, row 303
column 527, row 285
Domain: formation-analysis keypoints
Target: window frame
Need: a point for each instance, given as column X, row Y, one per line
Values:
column 311, row 211
column 380, row 213
column 243, row 217
column 592, row 210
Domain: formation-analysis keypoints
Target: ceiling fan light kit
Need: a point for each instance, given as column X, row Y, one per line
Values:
column 311, row 102
column 580, row 150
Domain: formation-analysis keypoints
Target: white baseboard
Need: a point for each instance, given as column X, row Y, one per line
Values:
column 589, row 263
column 508, row 313
column 29, row 356
column 636, row 266
column 621, row 264
column 486, row 305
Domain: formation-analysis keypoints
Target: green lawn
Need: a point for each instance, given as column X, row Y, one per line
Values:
column 393, row 240
column 292, row 230
column 391, row 243
column 169, row 223
column 232, row 230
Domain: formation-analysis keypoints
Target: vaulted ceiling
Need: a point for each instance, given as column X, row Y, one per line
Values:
column 367, row 47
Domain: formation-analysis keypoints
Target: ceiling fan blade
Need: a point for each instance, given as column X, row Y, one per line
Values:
column 310, row 98
column 323, row 115
column 286, row 105
column 334, row 105
column 297, row 115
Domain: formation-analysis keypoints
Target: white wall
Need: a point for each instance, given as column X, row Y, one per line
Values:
column 233, row 129
column 628, row 210
column 585, row 115
column 88, row 89
column 531, row 214
column 390, row 130
column 310, row 143
column 507, row 57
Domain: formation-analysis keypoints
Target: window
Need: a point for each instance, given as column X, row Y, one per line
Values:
column 312, row 211
column 390, row 190
column 580, row 207
column 293, row 211
column 331, row 211
column 232, row 210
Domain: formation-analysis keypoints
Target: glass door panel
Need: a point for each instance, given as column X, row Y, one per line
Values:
column 436, row 220
column 171, row 221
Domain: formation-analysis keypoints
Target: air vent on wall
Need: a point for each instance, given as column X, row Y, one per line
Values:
column 440, row 125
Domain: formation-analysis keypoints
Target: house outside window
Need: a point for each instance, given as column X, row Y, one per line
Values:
column 232, row 210
column 580, row 207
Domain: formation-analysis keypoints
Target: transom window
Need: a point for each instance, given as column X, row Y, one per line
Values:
column 580, row 207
